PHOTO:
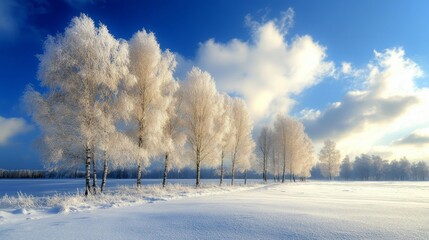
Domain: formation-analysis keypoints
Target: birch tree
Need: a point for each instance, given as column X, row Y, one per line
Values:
column 275, row 157
column 174, row 138
column 242, row 141
column 280, row 126
column 306, row 157
column 329, row 158
column 264, row 145
column 113, row 61
column 294, row 146
column 74, row 67
column 152, row 69
column 227, row 132
column 201, row 111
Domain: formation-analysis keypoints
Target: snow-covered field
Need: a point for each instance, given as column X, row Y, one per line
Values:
column 311, row 210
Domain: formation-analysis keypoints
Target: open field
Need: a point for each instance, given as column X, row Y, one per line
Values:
column 311, row 210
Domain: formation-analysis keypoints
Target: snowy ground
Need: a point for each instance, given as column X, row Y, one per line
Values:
column 312, row 210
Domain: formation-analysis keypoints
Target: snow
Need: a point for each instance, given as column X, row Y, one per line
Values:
column 311, row 210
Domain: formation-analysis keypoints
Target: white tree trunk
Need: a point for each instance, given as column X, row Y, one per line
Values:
column 88, row 171
column 164, row 177
column 94, row 173
column 139, row 166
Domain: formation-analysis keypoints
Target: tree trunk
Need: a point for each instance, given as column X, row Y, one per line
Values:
column 284, row 171
column 140, row 162
column 221, row 168
column 198, row 175
column 265, row 169
column 139, row 173
column 88, row 171
column 245, row 177
column 94, row 174
column 164, row 177
column 105, row 167
column 233, row 172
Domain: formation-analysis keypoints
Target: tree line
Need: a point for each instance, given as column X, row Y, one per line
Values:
column 114, row 103
column 374, row 168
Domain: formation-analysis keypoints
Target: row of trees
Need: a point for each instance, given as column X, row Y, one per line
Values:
column 370, row 167
column 117, row 102
column 367, row 167
column 285, row 149
column 23, row 173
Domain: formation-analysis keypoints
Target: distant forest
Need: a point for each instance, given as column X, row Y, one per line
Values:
column 374, row 168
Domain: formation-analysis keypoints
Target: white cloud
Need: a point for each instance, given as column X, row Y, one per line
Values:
column 268, row 70
column 346, row 67
column 387, row 103
column 10, row 127
column 310, row 114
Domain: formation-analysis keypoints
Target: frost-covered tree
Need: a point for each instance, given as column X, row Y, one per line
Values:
column 201, row 110
column 377, row 169
column 306, row 157
column 294, row 147
column 405, row 168
column 329, row 158
column 275, row 157
column 420, row 170
column 152, row 69
column 242, row 141
column 113, row 61
column 227, row 132
column 264, row 144
column 174, row 138
column 346, row 168
column 362, row 166
column 78, row 68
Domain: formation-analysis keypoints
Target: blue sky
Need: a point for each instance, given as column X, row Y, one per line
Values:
column 355, row 106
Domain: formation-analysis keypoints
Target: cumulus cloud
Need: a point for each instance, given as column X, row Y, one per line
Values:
column 269, row 69
column 10, row 127
column 387, row 103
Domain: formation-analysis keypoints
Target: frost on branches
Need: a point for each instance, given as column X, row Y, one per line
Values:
column 293, row 148
column 329, row 158
column 153, row 71
column 82, row 70
column 109, row 103
column 201, row 110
